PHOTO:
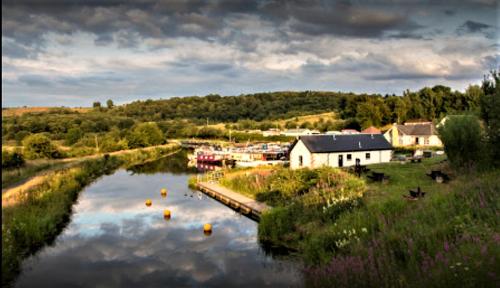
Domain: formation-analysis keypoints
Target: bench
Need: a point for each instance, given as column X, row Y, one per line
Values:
column 378, row 177
column 438, row 176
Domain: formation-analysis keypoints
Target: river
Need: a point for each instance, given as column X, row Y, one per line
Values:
column 114, row 240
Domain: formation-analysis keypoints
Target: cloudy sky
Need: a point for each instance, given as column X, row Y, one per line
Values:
column 74, row 52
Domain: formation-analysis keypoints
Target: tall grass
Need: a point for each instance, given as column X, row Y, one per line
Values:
column 449, row 239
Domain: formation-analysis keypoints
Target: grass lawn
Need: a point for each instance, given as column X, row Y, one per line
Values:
column 404, row 177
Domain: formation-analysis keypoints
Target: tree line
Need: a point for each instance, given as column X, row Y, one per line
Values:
column 151, row 122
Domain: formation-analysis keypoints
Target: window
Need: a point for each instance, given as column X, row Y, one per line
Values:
column 426, row 140
column 367, row 156
column 416, row 140
column 300, row 161
column 349, row 157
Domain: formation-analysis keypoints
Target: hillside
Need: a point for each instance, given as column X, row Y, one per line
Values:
column 18, row 111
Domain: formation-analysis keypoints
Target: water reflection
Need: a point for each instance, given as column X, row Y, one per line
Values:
column 113, row 239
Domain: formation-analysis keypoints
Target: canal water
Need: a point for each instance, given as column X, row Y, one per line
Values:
column 114, row 240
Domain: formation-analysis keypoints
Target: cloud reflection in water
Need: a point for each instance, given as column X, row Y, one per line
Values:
column 113, row 240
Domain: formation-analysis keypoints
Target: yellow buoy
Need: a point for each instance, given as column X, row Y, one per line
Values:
column 163, row 192
column 149, row 202
column 166, row 214
column 207, row 229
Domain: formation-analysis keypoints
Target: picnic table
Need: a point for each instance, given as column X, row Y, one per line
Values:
column 378, row 176
column 358, row 169
column 415, row 194
column 415, row 159
column 438, row 176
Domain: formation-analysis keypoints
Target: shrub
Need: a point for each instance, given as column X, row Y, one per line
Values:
column 462, row 139
column 73, row 135
column 12, row 159
column 39, row 146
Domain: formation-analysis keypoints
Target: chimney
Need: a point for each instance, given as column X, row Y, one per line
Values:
column 371, row 136
column 359, row 142
column 334, row 137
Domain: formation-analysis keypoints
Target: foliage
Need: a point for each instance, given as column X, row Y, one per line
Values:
column 39, row 146
column 462, row 139
column 110, row 104
column 490, row 113
column 13, row 159
column 145, row 134
column 73, row 135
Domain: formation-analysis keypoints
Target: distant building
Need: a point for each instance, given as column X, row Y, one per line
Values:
column 271, row 132
column 371, row 130
column 349, row 131
column 413, row 133
column 333, row 132
column 339, row 150
column 299, row 132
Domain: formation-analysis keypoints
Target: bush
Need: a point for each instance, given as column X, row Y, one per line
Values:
column 144, row 135
column 73, row 135
column 12, row 159
column 39, row 146
column 462, row 139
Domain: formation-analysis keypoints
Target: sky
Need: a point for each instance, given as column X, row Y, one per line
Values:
column 74, row 52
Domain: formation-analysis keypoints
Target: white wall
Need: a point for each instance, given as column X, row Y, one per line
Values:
column 317, row 160
column 300, row 150
column 332, row 159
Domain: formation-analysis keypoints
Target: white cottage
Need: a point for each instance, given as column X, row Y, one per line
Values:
column 339, row 150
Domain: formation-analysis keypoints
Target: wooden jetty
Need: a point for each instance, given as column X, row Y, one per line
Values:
column 236, row 201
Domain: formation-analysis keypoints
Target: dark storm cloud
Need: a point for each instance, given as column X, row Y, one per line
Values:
column 343, row 18
column 473, row 27
column 28, row 21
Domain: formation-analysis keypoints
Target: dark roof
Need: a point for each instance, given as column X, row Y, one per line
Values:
column 345, row 143
column 417, row 129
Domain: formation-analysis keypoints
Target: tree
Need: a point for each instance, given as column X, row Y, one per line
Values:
column 145, row 134
column 110, row 103
column 490, row 113
column 39, row 146
column 462, row 139
column 96, row 105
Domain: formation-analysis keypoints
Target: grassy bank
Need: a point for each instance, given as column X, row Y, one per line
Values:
column 449, row 238
column 31, row 168
column 41, row 213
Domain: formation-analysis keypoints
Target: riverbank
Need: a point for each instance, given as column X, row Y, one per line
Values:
column 12, row 178
column 38, row 214
column 369, row 235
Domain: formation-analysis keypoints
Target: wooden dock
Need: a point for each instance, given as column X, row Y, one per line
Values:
column 236, row 201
